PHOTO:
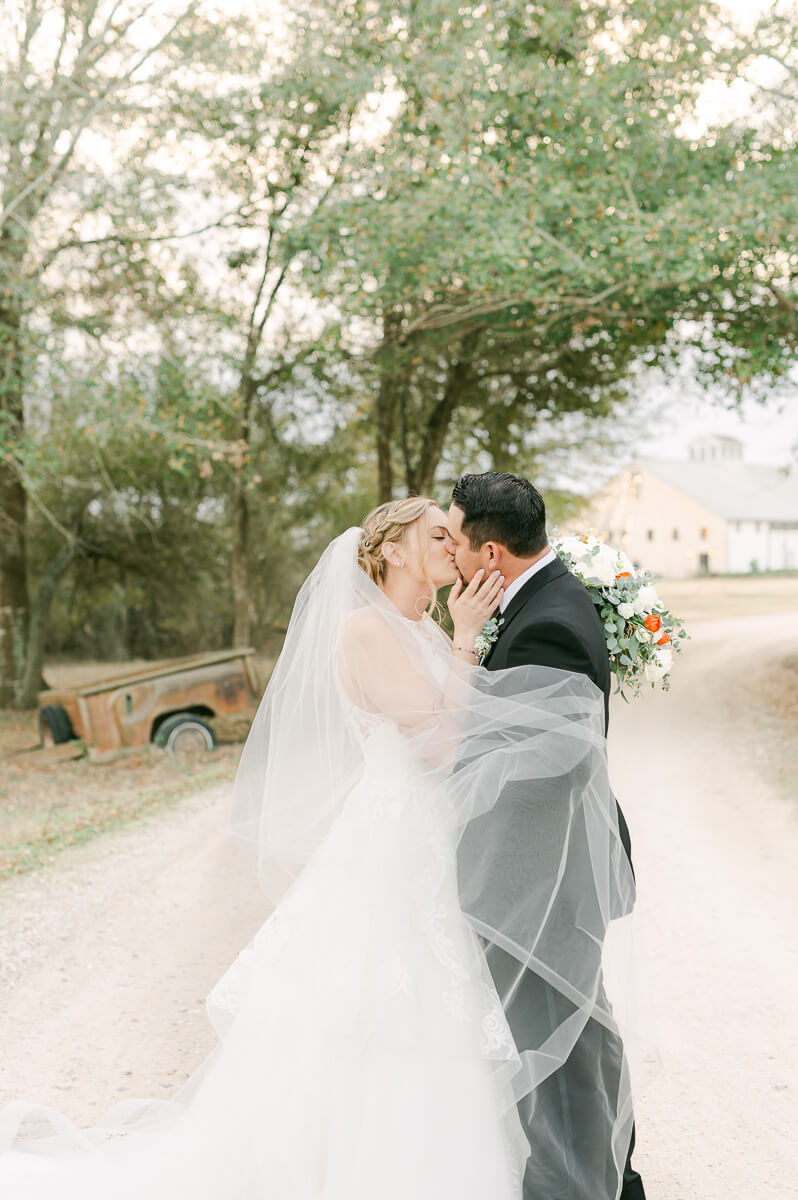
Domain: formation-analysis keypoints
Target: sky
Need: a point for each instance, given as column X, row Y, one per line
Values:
column 768, row 431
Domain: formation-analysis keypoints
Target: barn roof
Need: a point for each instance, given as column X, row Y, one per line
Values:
column 735, row 490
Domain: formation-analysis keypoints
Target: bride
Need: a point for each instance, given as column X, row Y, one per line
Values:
column 363, row 1047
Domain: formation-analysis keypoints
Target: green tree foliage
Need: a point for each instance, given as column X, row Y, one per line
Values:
column 279, row 141
column 91, row 106
column 538, row 198
column 256, row 274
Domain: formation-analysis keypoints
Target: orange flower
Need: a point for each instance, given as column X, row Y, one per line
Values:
column 652, row 622
column 583, row 538
column 663, row 641
column 623, row 575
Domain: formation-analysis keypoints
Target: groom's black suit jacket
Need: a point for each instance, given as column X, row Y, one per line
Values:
column 552, row 622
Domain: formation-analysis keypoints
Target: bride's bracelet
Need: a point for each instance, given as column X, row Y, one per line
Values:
column 465, row 650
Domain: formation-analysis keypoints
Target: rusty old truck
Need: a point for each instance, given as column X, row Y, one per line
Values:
column 171, row 703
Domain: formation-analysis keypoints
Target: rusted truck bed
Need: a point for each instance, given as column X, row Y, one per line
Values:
column 170, row 702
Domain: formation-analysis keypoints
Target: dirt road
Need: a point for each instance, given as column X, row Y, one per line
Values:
column 716, row 853
column 108, row 953
column 106, row 957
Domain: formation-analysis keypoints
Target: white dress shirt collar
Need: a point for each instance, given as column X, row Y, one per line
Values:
column 518, row 583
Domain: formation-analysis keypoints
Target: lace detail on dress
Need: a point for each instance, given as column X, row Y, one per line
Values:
column 365, row 723
column 227, row 993
column 467, row 998
column 496, row 1035
column 224, row 1000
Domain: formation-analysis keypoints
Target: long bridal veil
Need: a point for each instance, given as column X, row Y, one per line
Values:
column 513, row 763
column 388, row 791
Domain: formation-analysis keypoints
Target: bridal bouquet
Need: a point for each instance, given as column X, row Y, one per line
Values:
column 641, row 633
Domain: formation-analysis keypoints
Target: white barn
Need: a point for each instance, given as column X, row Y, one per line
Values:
column 710, row 513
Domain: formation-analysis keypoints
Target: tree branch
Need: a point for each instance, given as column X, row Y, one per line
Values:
column 132, row 239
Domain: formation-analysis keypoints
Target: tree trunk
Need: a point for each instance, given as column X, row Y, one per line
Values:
column 385, row 407
column 240, row 566
column 384, row 421
column 497, row 424
column 423, row 476
column 32, row 682
column 14, row 608
column 242, row 607
column 14, row 605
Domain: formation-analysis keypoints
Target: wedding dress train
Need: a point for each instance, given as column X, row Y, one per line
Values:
column 359, row 1042
column 363, row 1049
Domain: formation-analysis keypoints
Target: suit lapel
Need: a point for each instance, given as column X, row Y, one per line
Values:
column 554, row 570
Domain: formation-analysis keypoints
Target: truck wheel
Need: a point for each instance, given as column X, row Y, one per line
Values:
column 55, row 726
column 185, row 733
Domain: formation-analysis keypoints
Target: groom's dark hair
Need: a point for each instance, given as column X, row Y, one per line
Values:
column 503, row 508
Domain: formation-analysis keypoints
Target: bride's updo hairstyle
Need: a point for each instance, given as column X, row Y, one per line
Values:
column 390, row 522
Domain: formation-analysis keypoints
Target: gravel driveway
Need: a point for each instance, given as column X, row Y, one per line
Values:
column 108, row 953
column 107, row 956
column 716, row 851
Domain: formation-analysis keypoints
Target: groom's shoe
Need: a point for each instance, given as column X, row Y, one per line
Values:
column 632, row 1185
column 632, row 1188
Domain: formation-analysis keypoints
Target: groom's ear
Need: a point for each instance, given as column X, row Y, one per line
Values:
column 492, row 552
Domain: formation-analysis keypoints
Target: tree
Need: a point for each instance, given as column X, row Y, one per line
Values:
column 537, row 197
column 115, row 517
column 129, row 468
column 278, row 150
column 82, row 81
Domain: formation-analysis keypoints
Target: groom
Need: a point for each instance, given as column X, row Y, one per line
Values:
column 498, row 520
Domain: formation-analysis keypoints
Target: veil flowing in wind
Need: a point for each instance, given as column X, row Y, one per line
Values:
column 513, row 763
column 409, row 812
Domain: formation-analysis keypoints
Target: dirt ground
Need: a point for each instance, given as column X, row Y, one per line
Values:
column 48, row 807
column 708, row 781
column 715, row 598
column 108, row 951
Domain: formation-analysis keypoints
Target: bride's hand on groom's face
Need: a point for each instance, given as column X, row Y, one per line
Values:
column 470, row 606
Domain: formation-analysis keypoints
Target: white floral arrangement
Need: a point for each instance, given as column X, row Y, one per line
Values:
column 641, row 633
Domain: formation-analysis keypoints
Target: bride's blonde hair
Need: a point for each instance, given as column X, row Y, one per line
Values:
column 390, row 522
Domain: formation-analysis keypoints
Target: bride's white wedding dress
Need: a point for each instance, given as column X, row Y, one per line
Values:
column 357, row 1029
column 363, row 1049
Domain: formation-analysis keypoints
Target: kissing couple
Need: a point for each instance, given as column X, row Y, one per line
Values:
column 423, row 1016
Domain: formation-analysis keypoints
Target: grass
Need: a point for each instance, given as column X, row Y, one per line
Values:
column 45, row 810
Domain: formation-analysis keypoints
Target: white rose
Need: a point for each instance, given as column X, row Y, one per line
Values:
column 646, row 600
column 602, row 566
column 653, row 671
column 600, row 571
column 626, row 611
column 643, row 635
column 574, row 546
column 660, row 665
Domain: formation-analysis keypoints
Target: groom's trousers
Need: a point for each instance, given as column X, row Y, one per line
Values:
column 532, row 865
column 565, row 1118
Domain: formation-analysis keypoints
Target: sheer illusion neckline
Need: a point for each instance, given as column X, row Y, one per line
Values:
column 411, row 620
